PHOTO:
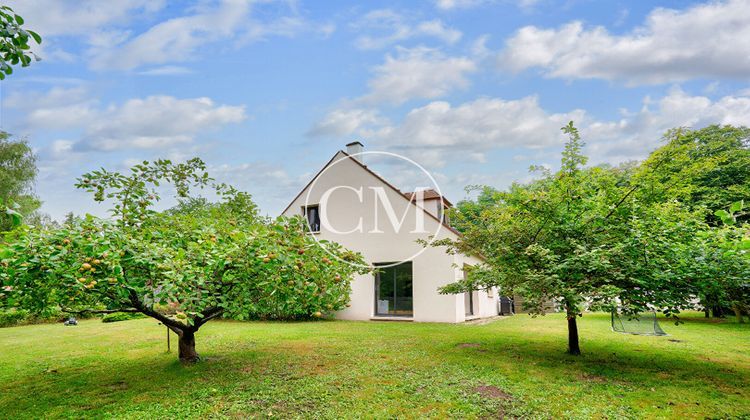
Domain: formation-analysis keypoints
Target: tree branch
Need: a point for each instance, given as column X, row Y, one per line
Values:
column 208, row 315
column 176, row 326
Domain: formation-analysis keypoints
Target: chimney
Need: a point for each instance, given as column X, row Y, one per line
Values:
column 355, row 149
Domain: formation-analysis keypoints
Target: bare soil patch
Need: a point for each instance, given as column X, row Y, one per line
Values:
column 490, row 391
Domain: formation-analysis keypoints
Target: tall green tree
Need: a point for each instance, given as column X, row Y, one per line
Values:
column 579, row 236
column 469, row 212
column 708, row 168
column 723, row 261
column 182, row 267
column 17, row 175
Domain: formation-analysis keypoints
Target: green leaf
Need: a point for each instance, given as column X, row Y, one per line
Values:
column 6, row 253
column 15, row 217
column 737, row 206
column 36, row 36
column 19, row 20
column 724, row 216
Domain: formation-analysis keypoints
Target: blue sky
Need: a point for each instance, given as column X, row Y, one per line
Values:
column 266, row 91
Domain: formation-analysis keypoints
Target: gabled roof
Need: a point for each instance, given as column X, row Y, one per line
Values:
column 400, row 193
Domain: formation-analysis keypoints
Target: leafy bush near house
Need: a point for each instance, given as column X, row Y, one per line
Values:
column 324, row 289
column 121, row 316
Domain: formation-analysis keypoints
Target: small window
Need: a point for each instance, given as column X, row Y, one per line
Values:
column 312, row 214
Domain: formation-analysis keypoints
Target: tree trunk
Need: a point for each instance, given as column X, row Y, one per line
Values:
column 738, row 313
column 187, row 347
column 573, row 347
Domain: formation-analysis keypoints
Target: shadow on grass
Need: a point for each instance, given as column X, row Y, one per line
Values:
column 624, row 359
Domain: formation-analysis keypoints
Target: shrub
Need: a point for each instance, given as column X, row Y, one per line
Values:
column 12, row 317
column 121, row 316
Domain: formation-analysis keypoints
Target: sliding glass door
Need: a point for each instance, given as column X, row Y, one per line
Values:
column 393, row 290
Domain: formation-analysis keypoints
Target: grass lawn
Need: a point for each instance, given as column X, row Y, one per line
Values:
column 515, row 366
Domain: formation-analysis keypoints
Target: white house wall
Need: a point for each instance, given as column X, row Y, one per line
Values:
column 432, row 269
column 485, row 302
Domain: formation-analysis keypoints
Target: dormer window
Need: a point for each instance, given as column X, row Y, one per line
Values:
column 312, row 214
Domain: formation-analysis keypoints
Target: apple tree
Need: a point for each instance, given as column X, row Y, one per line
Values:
column 580, row 238
column 182, row 267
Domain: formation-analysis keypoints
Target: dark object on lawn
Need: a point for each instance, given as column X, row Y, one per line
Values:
column 506, row 305
column 643, row 323
column 71, row 321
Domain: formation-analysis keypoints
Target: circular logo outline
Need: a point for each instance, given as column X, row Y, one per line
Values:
column 432, row 238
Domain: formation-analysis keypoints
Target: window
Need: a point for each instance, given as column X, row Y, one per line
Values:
column 393, row 290
column 312, row 214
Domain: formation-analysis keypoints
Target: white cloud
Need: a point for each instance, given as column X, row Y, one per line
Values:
column 56, row 96
column 58, row 108
column 154, row 122
column 179, row 39
column 80, row 17
column 457, row 4
column 58, row 20
column 448, row 5
column 704, row 41
column 479, row 48
column 174, row 39
column 166, row 71
column 342, row 122
column 106, row 28
column 392, row 27
column 417, row 73
column 157, row 122
column 636, row 134
column 270, row 184
column 440, row 132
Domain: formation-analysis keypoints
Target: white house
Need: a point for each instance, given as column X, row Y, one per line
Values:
column 348, row 203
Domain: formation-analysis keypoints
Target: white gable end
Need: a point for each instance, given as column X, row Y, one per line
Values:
column 362, row 212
